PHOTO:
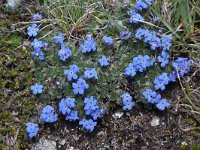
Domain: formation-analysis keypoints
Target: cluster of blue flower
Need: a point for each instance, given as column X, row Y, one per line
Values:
column 64, row 53
column 32, row 129
column 164, row 58
column 139, row 6
column 155, row 98
column 90, row 73
column 92, row 108
column 125, row 35
column 161, row 81
column 37, row 45
column 66, row 106
column 48, row 114
column 140, row 63
column 108, row 40
column 181, row 65
column 127, row 101
column 88, row 124
column 88, row 45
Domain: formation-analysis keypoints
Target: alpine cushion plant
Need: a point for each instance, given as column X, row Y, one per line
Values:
column 84, row 78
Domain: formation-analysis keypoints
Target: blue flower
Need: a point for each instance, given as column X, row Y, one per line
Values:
column 75, row 68
column 151, row 96
column 140, row 5
column 135, row 17
column 59, row 38
column 91, row 105
column 72, row 116
column 140, row 33
column 172, row 76
column 163, row 59
column 71, row 73
column 88, row 124
column 83, row 83
column 162, row 104
column 155, row 42
column 166, row 41
column 147, row 93
column 130, row 70
column 127, row 101
column 77, row 88
column 128, row 106
column 66, row 104
column 36, row 88
column 88, row 45
column 125, row 35
column 48, row 115
column 98, row 113
column 33, row 30
column 181, row 65
column 32, row 129
column 103, row 61
column 108, row 40
column 90, row 73
column 161, row 81
column 64, row 53
column 37, row 44
column 37, row 16
column 38, row 53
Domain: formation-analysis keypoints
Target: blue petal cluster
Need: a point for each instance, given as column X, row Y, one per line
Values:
column 80, row 86
column 125, row 35
column 48, row 115
column 127, row 101
column 161, row 81
column 108, row 40
column 92, row 108
column 33, row 30
column 37, row 16
column 181, row 65
column 166, row 41
column 140, row 63
column 59, row 38
column 163, row 59
column 66, row 104
column 32, row 129
column 103, row 61
column 36, row 88
column 155, row 98
column 90, row 73
column 37, row 46
column 72, row 72
column 88, row 124
column 64, row 53
column 88, row 45
column 135, row 17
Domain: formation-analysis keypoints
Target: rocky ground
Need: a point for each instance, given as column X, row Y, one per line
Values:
column 139, row 129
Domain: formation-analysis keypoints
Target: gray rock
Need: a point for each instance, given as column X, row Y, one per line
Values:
column 117, row 115
column 155, row 121
column 44, row 144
